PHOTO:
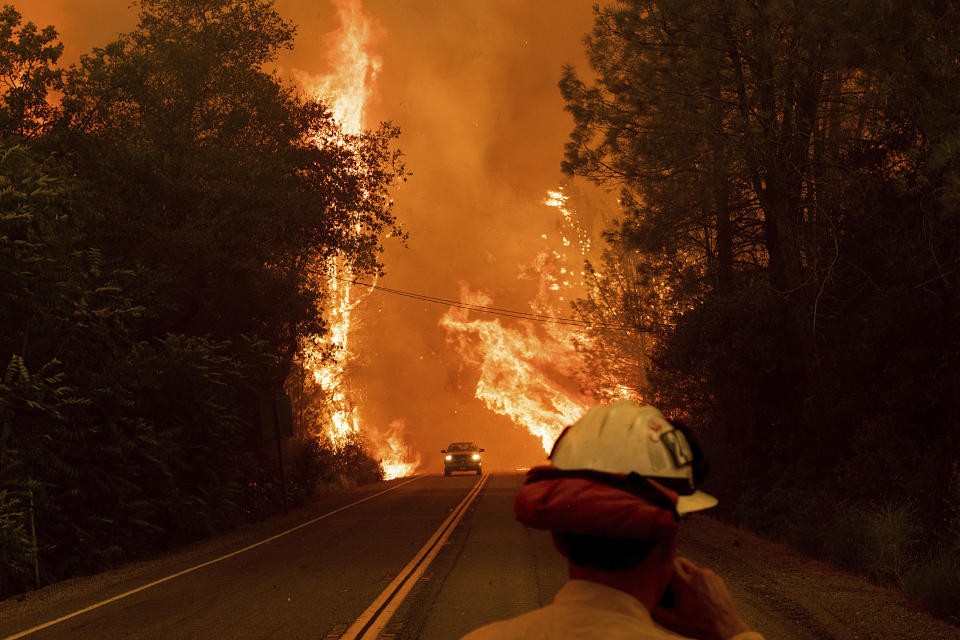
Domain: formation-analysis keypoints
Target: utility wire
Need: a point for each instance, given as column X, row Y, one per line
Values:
column 497, row 311
column 470, row 306
column 466, row 305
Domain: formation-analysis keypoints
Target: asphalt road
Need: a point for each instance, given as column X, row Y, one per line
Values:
column 305, row 584
column 458, row 562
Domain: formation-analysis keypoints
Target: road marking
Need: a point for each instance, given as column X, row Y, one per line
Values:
column 205, row 564
column 372, row 621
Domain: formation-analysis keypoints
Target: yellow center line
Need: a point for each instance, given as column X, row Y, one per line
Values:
column 200, row 566
column 372, row 621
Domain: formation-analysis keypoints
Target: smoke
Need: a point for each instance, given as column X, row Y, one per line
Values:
column 81, row 25
column 473, row 86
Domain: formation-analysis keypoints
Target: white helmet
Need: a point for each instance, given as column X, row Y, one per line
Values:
column 624, row 438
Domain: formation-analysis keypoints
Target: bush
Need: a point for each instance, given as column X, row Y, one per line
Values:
column 936, row 582
column 877, row 540
column 882, row 542
column 782, row 511
column 305, row 468
column 353, row 463
column 309, row 463
column 16, row 550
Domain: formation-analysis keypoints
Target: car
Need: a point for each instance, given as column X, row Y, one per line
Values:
column 462, row 456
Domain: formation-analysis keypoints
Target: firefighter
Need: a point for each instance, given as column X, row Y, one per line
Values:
column 612, row 496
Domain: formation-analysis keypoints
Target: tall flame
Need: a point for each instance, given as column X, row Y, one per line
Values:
column 525, row 374
column 347, row 91
column 531, row 374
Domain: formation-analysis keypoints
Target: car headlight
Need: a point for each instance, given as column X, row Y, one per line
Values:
column 476, row 456
column 449, row 457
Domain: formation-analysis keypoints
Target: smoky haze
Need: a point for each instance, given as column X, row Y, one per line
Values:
column 473, row 86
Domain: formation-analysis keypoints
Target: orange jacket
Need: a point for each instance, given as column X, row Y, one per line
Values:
column 595, row 503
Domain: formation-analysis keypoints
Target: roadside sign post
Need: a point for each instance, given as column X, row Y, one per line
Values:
column 276, row 419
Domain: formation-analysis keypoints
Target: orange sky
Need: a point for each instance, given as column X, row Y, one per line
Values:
column 473, row 86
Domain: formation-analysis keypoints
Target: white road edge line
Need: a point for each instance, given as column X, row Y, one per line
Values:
column 372, row 621
column 200, row 566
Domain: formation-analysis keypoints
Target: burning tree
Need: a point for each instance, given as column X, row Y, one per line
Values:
column 526, row 374
column 326, row 356
column 182, row 203
column 232, row 188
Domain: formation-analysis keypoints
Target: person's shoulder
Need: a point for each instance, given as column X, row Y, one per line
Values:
column 554, row 622
column 511, row 629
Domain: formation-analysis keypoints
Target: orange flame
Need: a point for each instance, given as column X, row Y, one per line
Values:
column 526, row 374
column 349, row 88
column 530, row 374
column 396, row 458
column 329, row 372
column 347, row 91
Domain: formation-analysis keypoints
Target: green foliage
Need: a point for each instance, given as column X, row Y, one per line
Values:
column 30, row 404
column 221, row 187
column 353, row 464
column 878, row 540
column 318, row 462
column 181, row 412
column 309, row 461
column 312, row 464
column 16, row 547
column 935, row 581
column 884, row 542
column 163, row 234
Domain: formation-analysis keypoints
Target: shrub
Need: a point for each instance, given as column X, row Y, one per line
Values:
column 935, row 581
column 309, row 463
column 877, row 540
column 783, row 511
column 305, row 468
column 353, row 464
column 16, row 549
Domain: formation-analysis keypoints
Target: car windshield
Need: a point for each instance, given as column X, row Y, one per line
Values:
column 461, row 446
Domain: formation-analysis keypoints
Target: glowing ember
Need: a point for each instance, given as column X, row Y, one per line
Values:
column 569, row 225
column 347, row 92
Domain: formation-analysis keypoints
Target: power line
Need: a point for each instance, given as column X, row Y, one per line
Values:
column 473, row 307
column 497, row 311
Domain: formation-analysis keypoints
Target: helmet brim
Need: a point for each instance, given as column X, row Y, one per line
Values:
column 696, row 501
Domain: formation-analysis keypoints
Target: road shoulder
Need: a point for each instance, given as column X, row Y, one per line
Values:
column 786, row 595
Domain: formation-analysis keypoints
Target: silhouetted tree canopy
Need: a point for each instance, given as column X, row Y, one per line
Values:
column 790, row 240
column 27, row 70
column 163, row 234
